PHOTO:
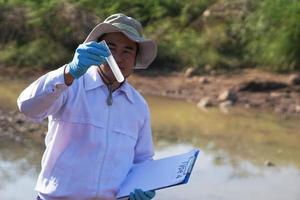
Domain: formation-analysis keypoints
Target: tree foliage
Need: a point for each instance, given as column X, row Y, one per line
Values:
column 205, row 34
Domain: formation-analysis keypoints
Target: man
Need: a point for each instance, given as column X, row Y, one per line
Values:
column 97, row 127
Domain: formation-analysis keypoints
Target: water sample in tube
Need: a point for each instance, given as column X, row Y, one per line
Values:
column 113, row 65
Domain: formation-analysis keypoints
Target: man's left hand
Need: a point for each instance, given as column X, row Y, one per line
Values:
column 139, row 194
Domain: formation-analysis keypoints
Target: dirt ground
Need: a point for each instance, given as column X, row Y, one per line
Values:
column 279, row 93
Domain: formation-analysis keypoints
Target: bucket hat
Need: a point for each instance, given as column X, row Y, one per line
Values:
column 132, row 29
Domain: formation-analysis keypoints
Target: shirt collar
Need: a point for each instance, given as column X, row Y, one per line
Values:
column 127, row 90
column 93, row 80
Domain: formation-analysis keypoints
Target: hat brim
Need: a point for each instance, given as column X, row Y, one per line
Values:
column 147, row 48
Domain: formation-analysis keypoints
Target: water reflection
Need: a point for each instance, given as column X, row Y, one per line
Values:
column 19, row 165
column 15, row 183
column 257, row 136
column 228, row 181
column 215, row 177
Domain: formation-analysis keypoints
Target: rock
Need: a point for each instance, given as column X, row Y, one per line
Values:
column 18, row 139
column 225, row 105
column 297, row 108
column 280, row 110
column 189, row 72
column 19, row 121
column 169, row 92
column 213, row 72
column 294, row 79
column 192, row 80
column 206, row 13
column 208, row 68
column 275, row 94
column 227, row 95
column 205, row 102
column 203, row 80
column 269, row 163
column 247, row 105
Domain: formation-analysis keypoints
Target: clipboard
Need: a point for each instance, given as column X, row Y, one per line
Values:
column 159, row 174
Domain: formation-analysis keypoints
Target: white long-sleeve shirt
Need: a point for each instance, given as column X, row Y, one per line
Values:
column 90, row 146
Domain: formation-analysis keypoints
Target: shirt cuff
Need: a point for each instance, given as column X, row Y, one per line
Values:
column 55, row 82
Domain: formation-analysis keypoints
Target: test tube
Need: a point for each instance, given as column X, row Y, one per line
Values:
column 113, row 65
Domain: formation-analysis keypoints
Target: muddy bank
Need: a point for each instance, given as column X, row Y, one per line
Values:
column 14, row 126
column 249, row 89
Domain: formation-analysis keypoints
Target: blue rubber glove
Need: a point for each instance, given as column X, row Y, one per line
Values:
column 139, row 194
column 86, row 55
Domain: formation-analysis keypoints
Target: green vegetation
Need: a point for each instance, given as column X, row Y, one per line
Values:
column 205, row 34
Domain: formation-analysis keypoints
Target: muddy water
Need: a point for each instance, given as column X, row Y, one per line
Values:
column 244, row 154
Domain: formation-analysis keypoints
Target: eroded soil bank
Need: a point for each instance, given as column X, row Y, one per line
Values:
column 254, row 89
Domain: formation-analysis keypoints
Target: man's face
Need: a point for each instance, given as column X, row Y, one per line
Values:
column 123, row 50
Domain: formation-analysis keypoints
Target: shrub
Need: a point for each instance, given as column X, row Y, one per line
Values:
column 38, row 53
column 274, row 35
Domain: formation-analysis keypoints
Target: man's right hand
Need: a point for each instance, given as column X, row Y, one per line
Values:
column 86, row 55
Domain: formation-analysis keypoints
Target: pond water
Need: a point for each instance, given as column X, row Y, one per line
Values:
column 235, row 148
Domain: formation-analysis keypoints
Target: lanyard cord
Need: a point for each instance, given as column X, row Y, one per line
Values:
column 109, row 99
